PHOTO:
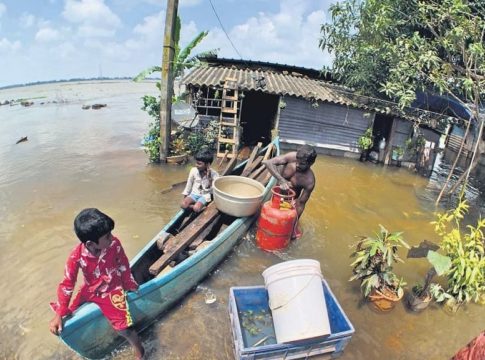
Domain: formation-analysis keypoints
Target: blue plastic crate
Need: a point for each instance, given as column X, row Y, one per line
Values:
column 261, row 342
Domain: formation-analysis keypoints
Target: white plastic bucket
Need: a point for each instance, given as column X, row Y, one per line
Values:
column 296, row 300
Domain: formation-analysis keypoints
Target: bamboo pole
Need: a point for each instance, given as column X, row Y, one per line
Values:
column 454, row 163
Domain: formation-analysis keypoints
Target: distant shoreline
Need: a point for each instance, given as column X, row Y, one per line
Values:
column 68, row 80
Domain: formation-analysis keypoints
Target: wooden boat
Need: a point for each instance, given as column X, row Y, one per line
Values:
column 87, row 331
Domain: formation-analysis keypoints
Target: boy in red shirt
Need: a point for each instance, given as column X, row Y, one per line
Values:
column 107, row 276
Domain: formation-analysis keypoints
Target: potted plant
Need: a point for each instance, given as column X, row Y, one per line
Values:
column 373, row 266
column 397, row 155
column 465, row 249
column 365, row 142
column 177, row 148
column 421, row 295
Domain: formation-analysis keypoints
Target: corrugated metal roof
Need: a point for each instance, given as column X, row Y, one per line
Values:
column 276, row 83
column 289, row 83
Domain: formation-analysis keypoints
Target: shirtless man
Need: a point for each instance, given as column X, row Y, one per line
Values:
column 295, row 172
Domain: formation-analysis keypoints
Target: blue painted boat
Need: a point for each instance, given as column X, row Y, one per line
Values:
column 87, row 331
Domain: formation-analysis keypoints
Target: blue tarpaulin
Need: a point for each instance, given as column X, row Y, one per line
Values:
column 441, row 104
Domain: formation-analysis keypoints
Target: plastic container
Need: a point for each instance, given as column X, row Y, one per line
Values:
column 248, row 346
column 296, row 300
column 276, row 222
column 237, row 196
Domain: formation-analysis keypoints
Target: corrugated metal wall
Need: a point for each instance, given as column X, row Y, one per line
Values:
column 327, row 126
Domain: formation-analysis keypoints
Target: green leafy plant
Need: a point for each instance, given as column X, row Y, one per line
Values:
column 205, row 138
column 440, row 264
column 366, row 140
column 465, row 249
column 152, row 137
column 178, row 144
column 374, row 260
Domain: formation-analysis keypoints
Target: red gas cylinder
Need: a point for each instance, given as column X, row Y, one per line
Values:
column 277, row 220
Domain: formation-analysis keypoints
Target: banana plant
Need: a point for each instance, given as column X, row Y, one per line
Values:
column 182, row 59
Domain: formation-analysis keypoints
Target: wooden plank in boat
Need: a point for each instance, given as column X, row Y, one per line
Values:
column 251, row 158
column 269, row 150
column 230, row 166
column 253, row 166
column 162, row 239
column 223, row 159
column 264, row 177
column 199, row 239
column 257, row 172
column 178, row 243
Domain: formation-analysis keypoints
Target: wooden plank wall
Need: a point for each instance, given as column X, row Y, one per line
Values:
column 402, row 132
column 334, row 126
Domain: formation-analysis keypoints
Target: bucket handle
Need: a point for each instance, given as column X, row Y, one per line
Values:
column 294, row 296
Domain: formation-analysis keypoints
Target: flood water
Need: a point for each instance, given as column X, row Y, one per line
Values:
column 78, row 158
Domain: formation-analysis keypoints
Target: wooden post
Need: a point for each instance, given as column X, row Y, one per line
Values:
column 166, row 83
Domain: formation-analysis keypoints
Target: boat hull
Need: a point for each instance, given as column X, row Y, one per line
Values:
column 89, row 333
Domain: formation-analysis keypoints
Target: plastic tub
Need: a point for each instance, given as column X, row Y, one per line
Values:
column 237, row 196
column 296, row 300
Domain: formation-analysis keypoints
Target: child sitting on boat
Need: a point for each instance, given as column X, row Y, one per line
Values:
column 198, row 191
column 107, row 276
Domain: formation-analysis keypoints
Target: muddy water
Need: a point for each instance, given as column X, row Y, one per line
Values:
column 78, row 158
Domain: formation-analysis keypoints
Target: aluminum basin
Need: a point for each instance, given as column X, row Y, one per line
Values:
column 237, row 196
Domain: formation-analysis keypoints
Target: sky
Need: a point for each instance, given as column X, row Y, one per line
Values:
column 42, row 40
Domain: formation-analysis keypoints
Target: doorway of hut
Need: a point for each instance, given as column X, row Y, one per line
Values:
column 381, row 130
column 258, row 114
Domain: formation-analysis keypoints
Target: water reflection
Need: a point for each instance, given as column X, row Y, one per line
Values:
column 76, row 158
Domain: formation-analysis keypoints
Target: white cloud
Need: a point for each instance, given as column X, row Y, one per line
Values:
column 94, row 31
column 289, row 36
column 66, row 50
column 3, row 9
column 151, row 24
column 7, row 46
column 27, row 20
column 47, row 35
column 94, row 17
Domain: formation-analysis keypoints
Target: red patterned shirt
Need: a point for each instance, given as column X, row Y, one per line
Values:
column 102, row 274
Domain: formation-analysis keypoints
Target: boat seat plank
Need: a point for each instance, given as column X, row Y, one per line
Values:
column 162, row 239
column 179, row 242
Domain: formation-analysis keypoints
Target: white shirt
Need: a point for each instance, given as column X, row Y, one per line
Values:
column 199, row 185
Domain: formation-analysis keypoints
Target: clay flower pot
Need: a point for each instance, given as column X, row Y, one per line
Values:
column 385, row 299
column 177, row 159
